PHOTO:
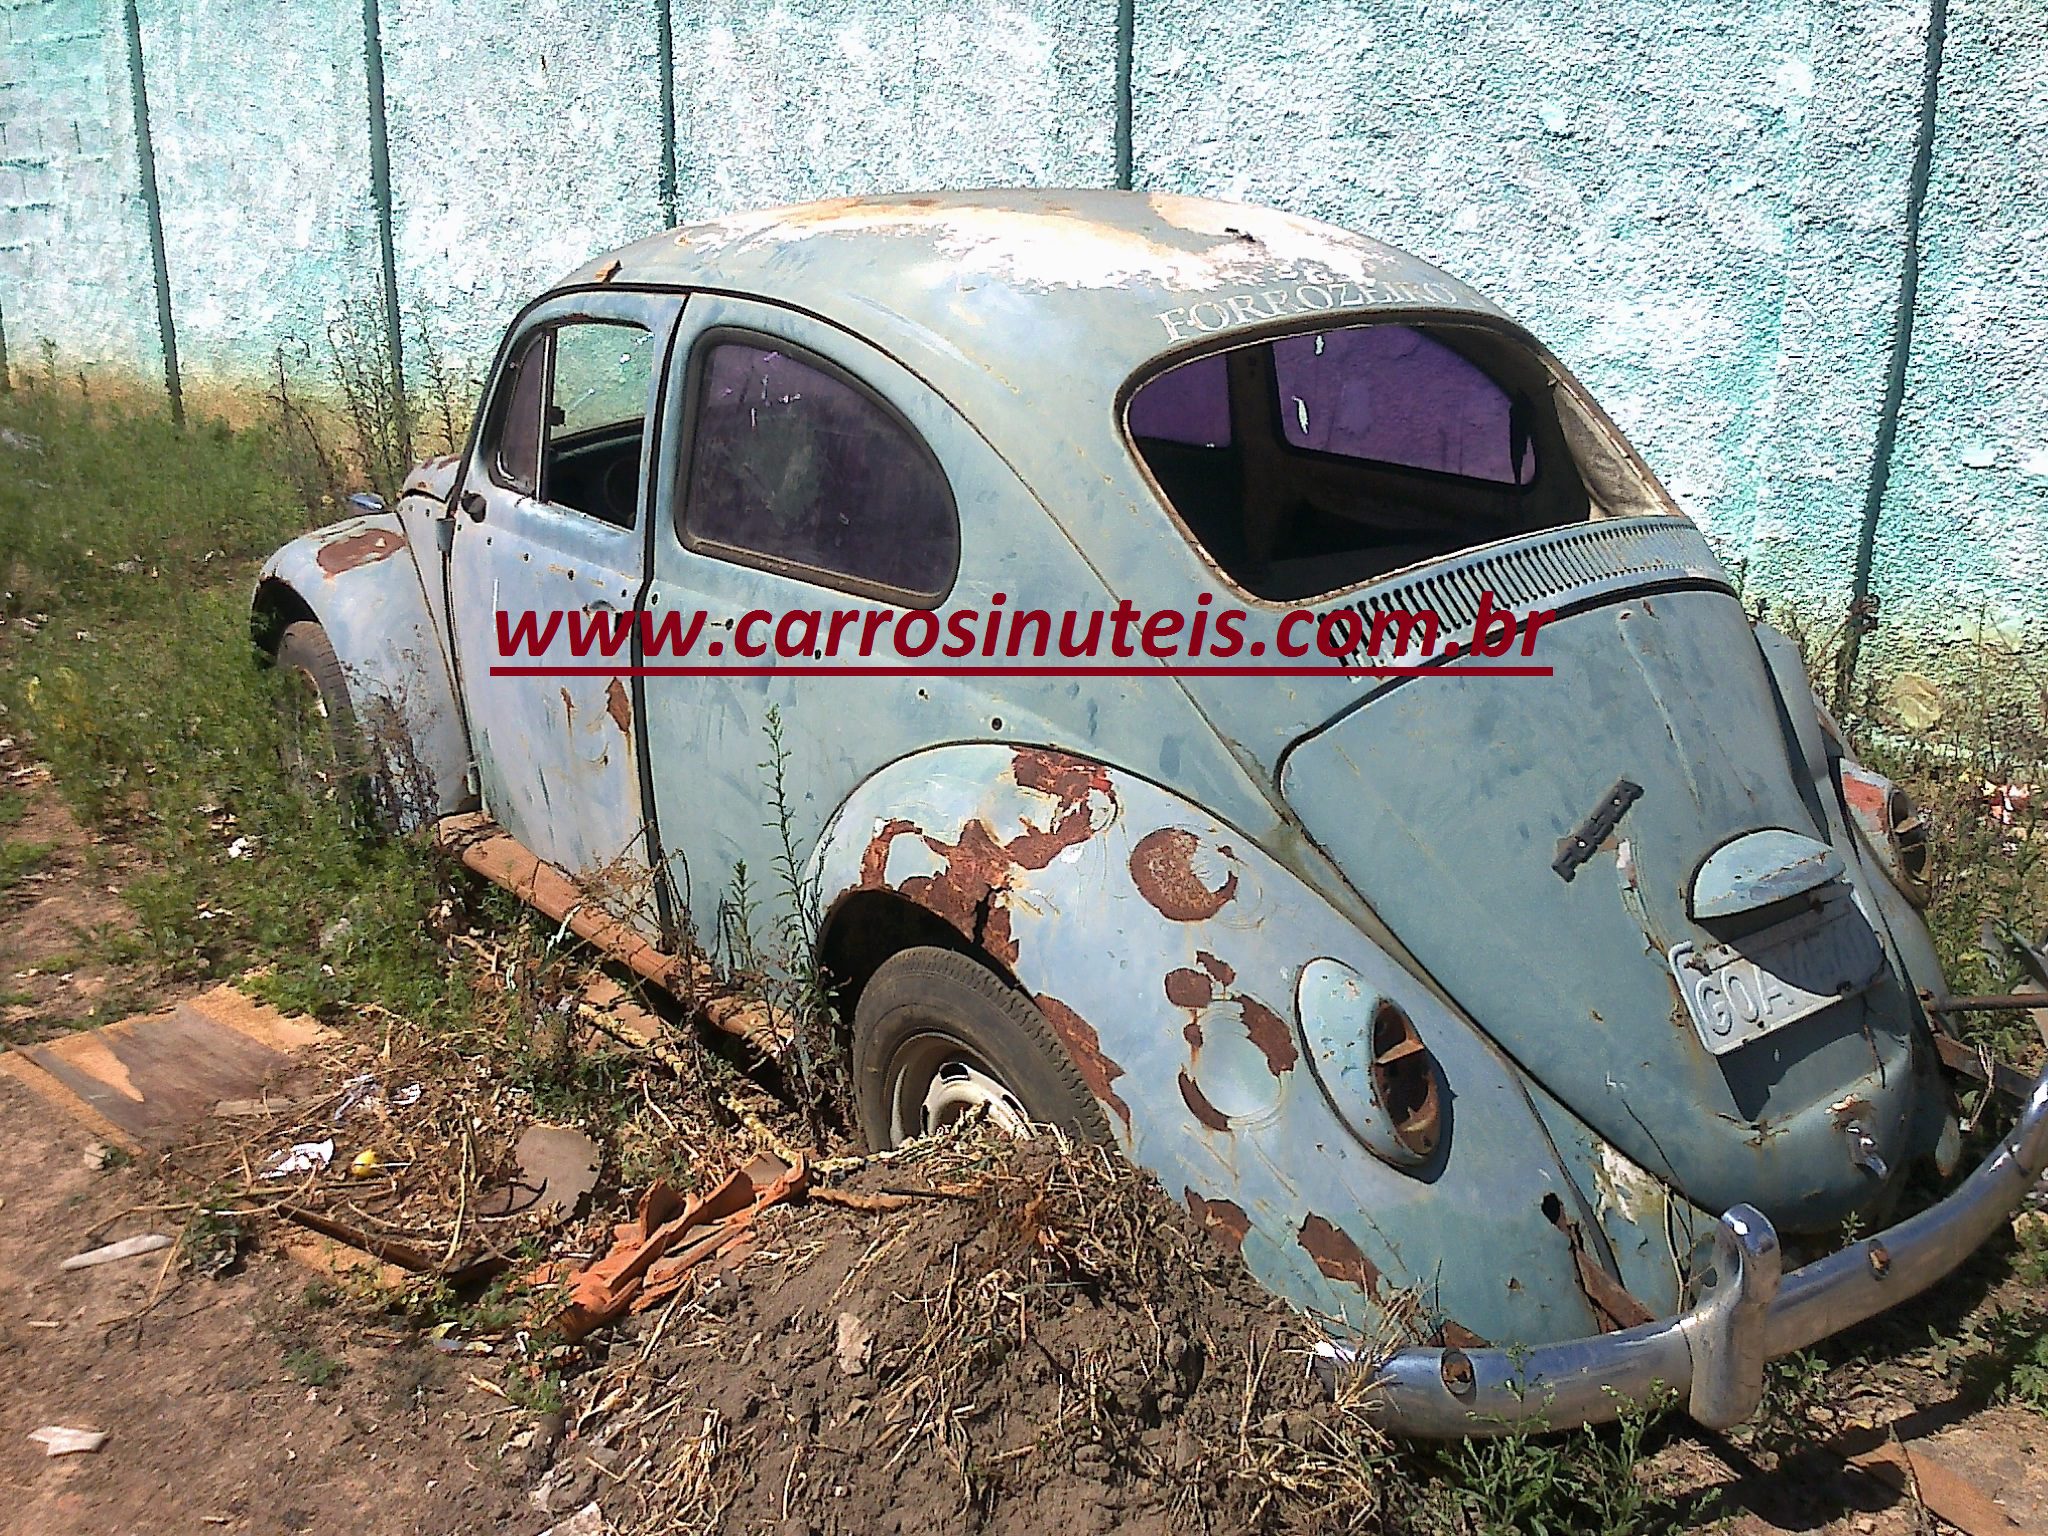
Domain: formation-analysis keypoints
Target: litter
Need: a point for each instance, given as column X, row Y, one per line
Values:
column 363, row 1090
column 58, row 1440
column 304, row 1157
column 855, row 1339
column 558, row 1167
column 651, row 1255
column 587, row 1521
column 126, row 1248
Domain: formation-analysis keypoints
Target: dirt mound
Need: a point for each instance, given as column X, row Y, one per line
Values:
column 1019, row 1340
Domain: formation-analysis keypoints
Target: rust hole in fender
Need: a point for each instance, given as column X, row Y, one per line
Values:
column 1163, row 869
column 1404, row 1080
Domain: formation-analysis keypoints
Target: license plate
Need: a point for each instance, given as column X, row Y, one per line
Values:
column 1738, row 992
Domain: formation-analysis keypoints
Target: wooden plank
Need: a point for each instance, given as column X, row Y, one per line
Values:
column 147, row 1080
column 1945, row 1491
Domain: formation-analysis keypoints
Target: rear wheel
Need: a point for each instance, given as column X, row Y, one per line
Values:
column 323, row 751
column 937, row 1037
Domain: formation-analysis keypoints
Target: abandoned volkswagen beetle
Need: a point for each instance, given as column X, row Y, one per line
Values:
column 1510, row 1018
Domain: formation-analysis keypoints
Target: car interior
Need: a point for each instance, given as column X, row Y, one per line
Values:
column 596, row 471
column 1307, row 464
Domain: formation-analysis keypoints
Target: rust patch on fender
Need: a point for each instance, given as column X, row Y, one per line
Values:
column 568, row 709
column 1613, row 1307
column 964, row 892
column 619, row 706
column 1199, row 1106
column 1223, row 1220
column 1085, row 1046
column 358, row 549
column 968, row 893
column 1337, row 1256
column 874, row 859
column 1189, row 989
column 1269, row 1032
column 1215, row 967
column 1163, row 869
column 1452, row 1334
column 1066, row 779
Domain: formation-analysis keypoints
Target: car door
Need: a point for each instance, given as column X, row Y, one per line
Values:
column 545, row 572
column 808, row 489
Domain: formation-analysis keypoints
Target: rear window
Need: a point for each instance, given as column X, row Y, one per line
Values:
column 1314, row 462
column 1390, row 394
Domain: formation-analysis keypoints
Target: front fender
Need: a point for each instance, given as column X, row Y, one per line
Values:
column 360, row 580
column 1166, row 951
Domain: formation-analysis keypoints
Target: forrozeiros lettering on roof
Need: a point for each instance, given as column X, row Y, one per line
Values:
column 1308, row 298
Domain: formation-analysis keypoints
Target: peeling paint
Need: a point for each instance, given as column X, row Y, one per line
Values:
column 1224, row 1220
column 1085, row 1046
column 1337, row 1256
column 351, row 551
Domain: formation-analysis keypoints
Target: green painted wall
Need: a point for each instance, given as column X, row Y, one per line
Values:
column 1704, row 209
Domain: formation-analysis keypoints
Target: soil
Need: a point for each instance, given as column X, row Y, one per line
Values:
column 211, row 1423
column 1035, row 1344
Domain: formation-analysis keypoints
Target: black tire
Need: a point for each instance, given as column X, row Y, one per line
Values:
column 926, row 1011
column 326, row 750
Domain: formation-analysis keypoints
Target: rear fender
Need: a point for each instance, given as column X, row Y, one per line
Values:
column 1166, row 950
column 360, row 581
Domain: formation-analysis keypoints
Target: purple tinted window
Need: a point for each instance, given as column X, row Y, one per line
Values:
column 1391, row 394
column 1189, row 404
column 797, row 467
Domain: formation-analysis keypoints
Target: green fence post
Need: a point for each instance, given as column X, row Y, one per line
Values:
column 145, row 154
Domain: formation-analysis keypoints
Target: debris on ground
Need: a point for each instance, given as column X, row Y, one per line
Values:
column 60, row 1440
column 651, row 1255
column 301, row 1158
column 1033, row 1327
column 126, row 1248
column 557, row 1169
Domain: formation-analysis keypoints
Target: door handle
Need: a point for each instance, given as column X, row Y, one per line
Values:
column 599, row 605
column 473, row 503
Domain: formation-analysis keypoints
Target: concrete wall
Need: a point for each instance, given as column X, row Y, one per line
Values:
column 1703, row 208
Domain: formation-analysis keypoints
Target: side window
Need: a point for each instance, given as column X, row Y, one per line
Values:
column 583, row 451
column 1390, row 394
column 795, row 467
column 597, row 418
column 515, row 459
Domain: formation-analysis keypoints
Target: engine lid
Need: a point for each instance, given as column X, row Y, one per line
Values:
column 1620, row 873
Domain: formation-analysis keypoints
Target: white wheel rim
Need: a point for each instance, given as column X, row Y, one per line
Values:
column 959, row 1088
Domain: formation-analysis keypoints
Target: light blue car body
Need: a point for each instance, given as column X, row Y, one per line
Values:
column 1207, row 884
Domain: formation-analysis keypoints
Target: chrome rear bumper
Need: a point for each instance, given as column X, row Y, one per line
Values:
column 1712, row 1357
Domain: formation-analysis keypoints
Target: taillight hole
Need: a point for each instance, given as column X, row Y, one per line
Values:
column 1404, row 1078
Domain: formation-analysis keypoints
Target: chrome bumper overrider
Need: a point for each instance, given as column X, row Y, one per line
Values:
column 1712, row 1357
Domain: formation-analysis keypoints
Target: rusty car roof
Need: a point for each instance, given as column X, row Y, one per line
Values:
column 970, row 288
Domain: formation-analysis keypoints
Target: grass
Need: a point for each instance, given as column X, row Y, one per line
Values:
column 20, row 858
column 126, row 665
column 313, row 1367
